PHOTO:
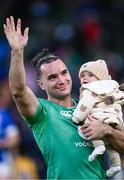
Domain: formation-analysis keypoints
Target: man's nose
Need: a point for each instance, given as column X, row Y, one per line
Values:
column 61, row 79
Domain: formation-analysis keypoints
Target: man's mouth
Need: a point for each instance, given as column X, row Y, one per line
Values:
column 63, row 87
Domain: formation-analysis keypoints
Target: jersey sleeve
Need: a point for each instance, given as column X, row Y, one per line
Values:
column 36, row 118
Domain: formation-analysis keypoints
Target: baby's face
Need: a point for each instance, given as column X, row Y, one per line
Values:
column 87, row 77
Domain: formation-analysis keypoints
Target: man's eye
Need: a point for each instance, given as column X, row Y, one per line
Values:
column 51, row 77
column 64, row 72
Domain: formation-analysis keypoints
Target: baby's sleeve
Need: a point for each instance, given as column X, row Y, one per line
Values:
column 86, row 103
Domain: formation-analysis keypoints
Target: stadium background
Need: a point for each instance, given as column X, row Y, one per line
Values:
column 77, row 30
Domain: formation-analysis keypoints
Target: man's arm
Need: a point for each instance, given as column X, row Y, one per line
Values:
column 23, row 96
column 95, row 130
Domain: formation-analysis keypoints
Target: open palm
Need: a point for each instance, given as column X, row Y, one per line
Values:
column 14, row 35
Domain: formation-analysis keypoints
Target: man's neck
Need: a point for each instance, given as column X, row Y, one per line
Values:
column 66, row 102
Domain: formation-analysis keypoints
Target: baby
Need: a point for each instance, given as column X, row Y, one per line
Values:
column 102, row 98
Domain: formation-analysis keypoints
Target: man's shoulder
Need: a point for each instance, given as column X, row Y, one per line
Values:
column 43, row 101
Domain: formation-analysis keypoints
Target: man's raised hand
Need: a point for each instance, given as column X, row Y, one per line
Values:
column 14, row 35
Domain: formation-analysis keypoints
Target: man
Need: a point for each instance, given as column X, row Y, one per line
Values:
column 65, row 152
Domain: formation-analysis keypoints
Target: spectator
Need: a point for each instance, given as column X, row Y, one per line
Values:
column 9, row 133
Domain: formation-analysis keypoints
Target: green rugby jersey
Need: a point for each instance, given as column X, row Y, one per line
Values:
column 64, row 151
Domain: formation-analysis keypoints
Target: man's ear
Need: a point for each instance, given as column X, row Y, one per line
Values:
column 41, row 84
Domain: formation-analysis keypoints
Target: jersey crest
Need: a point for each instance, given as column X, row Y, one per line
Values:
column 66, row 113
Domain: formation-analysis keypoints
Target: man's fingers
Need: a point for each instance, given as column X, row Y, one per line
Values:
column 19, row 26
column 85, row 129
column 88, row 136
column 84, row 126
column 4, row 28
column 26, row 31
column 91, row 118
column 12, row 23
column 8, row 24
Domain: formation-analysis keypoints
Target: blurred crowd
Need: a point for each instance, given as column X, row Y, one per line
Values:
column 78, row 31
